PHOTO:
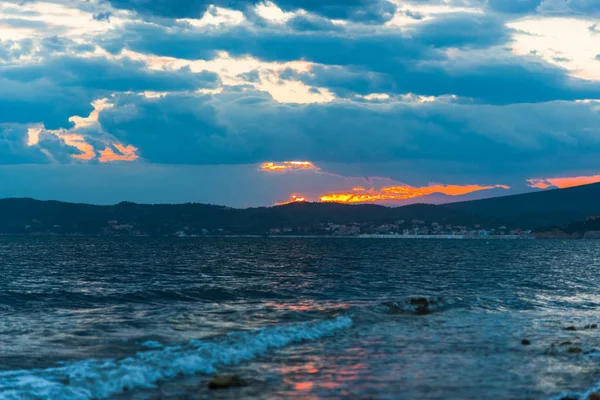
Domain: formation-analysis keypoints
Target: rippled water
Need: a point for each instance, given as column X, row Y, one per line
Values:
column 87, row 318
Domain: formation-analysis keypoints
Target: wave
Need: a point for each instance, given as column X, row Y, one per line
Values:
column 588, row 395
column 98, row 379
column 61, row 299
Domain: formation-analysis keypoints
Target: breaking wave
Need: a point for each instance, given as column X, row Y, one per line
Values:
column 97, row 379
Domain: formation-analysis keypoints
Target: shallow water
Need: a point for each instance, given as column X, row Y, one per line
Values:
column 87, row 318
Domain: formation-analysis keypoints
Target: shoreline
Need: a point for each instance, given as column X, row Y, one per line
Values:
column 366, row 236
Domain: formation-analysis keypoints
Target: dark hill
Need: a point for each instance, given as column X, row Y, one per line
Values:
column 537, row 209
column 528, row 211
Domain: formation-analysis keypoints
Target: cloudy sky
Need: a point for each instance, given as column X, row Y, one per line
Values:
column 248, row 102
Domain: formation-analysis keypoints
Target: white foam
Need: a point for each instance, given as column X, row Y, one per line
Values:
column 151, row 344
column 99, row 379
column 578, row 396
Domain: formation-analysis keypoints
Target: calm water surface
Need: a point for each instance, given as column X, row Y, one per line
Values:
column 90, row 318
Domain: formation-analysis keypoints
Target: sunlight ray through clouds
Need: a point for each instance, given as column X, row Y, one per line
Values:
column 567, row 42
column 232, row 70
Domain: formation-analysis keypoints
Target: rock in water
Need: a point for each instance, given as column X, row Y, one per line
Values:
column 570, row 328
column 422, row 305
column 574, row 350
column 525, row 342
column 594, row 396
column 226, row 381
column 415, row 305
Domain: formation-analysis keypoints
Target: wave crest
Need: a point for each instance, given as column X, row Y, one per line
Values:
column 97, row 379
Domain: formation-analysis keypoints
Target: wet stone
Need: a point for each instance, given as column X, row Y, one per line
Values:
column 570, row 328
column 422, row 305
column 525, row 342
column 574, row 350
column 594, row 396
column 226, row 382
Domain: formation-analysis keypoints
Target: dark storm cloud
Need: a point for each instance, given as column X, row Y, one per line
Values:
column 245, row 127
column 370, row 11
column 14, row 149
column 42, row 101
column 514, row 6
column 414, row 62
column 303, row 23
column 59, row 87
column 109, row 75
column 505, row 123
column 462, row 30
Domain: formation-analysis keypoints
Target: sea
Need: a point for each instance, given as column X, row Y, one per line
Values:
column 298, row 318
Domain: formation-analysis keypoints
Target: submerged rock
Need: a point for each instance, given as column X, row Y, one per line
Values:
column 592, row 326
column 570, row 328
column 574, row 350
column 422, row 304
column 594, row 396
column 416, row 305
column 525, row 342
column 226, row 382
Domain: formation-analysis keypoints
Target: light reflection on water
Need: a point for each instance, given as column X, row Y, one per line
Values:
column 73, row 299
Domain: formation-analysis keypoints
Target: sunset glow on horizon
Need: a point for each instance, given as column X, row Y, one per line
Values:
column 403, row 193
column 293, row 199
column 563, row 183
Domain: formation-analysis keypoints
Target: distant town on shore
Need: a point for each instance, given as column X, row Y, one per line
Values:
column 560, row 213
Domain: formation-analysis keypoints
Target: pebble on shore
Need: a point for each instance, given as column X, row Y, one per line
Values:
column 226, row 382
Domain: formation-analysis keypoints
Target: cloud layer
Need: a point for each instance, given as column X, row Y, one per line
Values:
column 464, row 92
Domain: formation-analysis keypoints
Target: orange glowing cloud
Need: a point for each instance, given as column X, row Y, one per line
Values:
column 78, row 141
column 287, row 166
column 403, row 192
column 563, row 183
column 86, row 150
column 127, row 153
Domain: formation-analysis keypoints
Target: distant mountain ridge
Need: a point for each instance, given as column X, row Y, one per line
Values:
column 528, row 211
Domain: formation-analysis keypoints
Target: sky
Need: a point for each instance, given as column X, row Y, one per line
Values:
column 254, row 103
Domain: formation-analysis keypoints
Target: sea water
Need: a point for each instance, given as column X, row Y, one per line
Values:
column 150, row 318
